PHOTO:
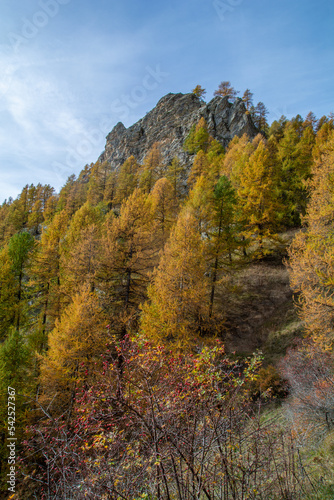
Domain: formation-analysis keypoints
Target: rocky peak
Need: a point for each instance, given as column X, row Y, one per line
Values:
column 169, row 124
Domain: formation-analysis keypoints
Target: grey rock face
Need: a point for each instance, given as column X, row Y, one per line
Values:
column 169, row 124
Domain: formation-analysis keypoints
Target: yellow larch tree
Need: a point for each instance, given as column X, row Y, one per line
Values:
column 312, row 256
column 199, row 91
column 15, row 293
column 198, row 202
column 153, row 168
column 258, row 194
column 223, row 235
column 163, row 206
column 198, row 138
column 129, row 253
column 74, row 347
column 80, row 250
column 98, row 182
column 214, row 207
column 127, row 179
column 176, row 174
column 200, row 167
column 294, row 154
column 177, row 308
column 46, row 273
column 237, row 154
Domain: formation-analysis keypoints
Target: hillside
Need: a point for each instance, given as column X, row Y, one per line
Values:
column 150, row 334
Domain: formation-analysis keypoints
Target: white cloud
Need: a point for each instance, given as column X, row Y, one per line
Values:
column 51, row 120
column 49, row 107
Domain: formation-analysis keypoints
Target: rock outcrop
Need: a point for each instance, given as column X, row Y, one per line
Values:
column 169, row 124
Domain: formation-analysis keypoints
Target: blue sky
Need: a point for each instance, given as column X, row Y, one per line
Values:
column 70, row 69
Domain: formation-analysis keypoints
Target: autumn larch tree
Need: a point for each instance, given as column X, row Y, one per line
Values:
column 294, row 154
column 311, row 254
column 14, row 289
column 276, row 129
column 259, row 114
column 18, row 213
column 164, row 208
column 74, row 347
column 153, row 168
column 237, row 155
column 46, row 276
column 7, row 293
column 175, row 174
column 80, row 249
column 127, row 179
column 225, row 89
column 224, row 233
column 213, row 205
column 198, row 138
column 248, row 99
column 98, row 182
column 198, row 202
column 311, row 121
column 16, row 375
column 37, row 213
column 74, row 194
column 129, row 253
column 201, row 166
column 260, row 206
column 324, row 119
column 199, row 91
column 110, row 191
column 177, row 309
column 321, row 139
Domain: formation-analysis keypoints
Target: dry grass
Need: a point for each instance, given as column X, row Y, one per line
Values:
column 260, row 312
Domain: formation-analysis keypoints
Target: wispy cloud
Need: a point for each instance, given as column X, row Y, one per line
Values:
column 47, row 105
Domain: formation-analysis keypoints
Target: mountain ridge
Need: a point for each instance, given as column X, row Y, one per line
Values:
column 169, row 123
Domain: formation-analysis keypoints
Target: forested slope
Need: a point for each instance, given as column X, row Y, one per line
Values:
column 130, row 307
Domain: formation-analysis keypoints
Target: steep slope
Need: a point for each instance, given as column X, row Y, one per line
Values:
column 169, row 124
